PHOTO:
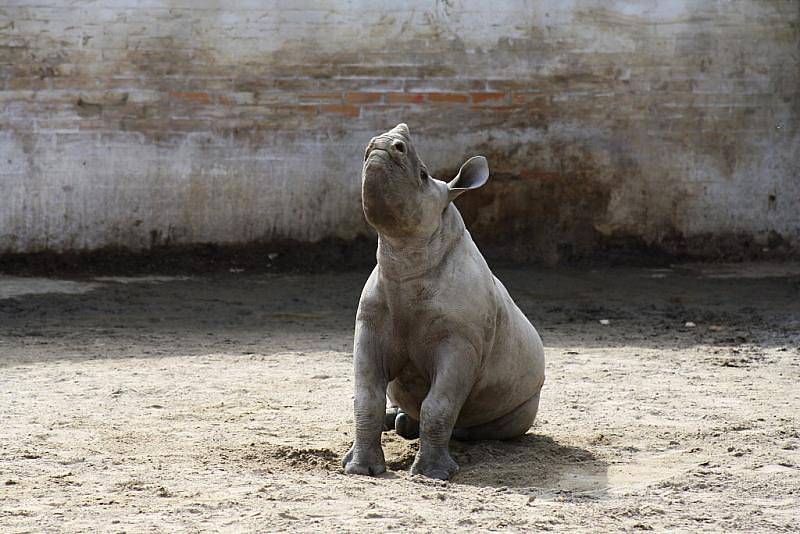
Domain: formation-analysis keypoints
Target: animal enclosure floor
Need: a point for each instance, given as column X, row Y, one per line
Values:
column 224, row 403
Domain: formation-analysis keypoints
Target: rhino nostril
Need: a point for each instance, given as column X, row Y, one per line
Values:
column 399, row 146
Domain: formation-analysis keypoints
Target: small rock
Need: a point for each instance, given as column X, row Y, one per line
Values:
column 272, row 255
column 605, row 321
column 689, row 324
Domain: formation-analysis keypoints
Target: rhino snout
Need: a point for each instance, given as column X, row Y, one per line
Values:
column 394, row 147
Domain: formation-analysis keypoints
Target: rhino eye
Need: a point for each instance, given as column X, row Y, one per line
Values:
column 423, row 174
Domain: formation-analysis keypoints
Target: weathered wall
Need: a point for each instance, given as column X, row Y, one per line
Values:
column 134, row 123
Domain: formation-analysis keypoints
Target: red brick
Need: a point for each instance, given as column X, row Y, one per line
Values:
column 480, row 98
column 363, row 98
column 448, row 98
column 341, row 109
column 405, row 98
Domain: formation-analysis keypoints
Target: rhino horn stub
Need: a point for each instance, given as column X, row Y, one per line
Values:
column 472, row 175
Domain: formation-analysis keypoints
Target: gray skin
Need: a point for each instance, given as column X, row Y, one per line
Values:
column 435, row 331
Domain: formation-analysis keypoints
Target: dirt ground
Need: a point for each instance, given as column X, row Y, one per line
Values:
column 224, row 402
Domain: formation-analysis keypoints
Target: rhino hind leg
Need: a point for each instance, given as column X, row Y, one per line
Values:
column 406, row 426
column 402, row 423
column 390, row 418
column 515, row 423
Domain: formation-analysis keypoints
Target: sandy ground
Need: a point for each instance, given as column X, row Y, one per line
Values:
column 225, row 403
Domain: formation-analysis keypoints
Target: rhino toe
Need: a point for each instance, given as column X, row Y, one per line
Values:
column 370, row 464
column 439, row 465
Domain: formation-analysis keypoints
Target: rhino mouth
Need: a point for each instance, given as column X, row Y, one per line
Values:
column 377, row 152
column 381, row 161
column 380, row 155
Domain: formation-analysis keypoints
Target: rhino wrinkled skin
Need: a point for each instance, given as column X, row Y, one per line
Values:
column 435, row 331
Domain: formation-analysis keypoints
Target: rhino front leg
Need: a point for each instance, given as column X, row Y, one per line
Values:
column 365, row 457
column 454, row 376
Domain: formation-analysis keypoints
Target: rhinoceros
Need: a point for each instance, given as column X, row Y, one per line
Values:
column 436, row 332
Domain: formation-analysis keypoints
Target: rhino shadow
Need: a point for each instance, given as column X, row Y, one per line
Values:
column 532, row 464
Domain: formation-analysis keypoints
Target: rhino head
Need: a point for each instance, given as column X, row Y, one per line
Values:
column 399, row 197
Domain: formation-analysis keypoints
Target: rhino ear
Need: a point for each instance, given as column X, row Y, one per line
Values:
column 473, row 174
column 402, row 129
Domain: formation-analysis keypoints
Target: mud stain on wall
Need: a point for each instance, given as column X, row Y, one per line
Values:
column 547, row 211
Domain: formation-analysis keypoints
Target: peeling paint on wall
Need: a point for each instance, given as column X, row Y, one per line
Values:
column 155, row 122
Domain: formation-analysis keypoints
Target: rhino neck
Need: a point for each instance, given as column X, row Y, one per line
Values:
column 406, row 258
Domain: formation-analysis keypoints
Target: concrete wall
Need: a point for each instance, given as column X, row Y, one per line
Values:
column 144, row 122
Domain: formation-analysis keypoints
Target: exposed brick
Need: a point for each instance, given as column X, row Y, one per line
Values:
column 641, row 118
column 363, row 98
column 448, row 98
column 405, row 98
column 341, row 109
column 490, row 98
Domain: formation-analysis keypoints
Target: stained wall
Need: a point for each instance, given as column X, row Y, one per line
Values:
column 670, row 123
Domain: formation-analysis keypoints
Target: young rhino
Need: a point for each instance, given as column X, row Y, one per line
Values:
column 436, row 332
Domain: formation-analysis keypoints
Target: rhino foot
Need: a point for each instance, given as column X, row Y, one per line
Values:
column 406, row 426
column 370, row 463
column 390, row 418
column 436, row 463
